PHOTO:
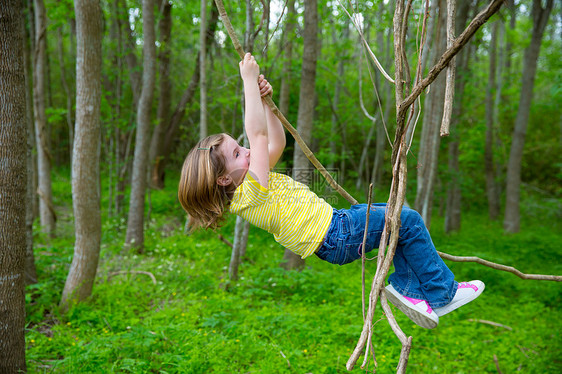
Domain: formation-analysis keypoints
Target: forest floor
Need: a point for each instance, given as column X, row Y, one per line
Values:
column 172, row 309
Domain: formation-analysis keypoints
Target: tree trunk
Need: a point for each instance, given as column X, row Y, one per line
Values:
column 135, row 224
column 86, row 165
column 286, row 76
column 337, row 90
column 170, row 137
column 489, row 164
column 428, row 53
column 203, row 71
column 430, row 140
column 67, row 92
column 301, row 167
column 44, row 158
column 387, row 99
column 130, row 47
column 164, row 102
column 540, row 19
column 13, row 175
column 453, row 203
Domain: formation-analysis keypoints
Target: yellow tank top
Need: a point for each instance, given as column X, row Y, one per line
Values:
column 296, row 216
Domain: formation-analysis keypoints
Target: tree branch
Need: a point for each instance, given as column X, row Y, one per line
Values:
column 406, row 341
column 493, row 265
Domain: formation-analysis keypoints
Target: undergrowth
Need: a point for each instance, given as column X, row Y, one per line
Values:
column 193, row 319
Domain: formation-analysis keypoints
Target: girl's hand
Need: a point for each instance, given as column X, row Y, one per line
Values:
column 265, row 86
column 249, row 68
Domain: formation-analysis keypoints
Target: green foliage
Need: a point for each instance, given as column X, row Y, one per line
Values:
column 195, row 320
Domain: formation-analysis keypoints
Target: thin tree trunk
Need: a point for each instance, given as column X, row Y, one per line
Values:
column 64, row 82
column 164, row 102
column 337, row 90
column 286, row 77
column 44, row 158
column 203, row 71
column 433, row 112
column 130, row 56
column 453, row 203
column 540, row 19
column 489, row 164
column 135, row 224
column 123, row 139
column 301, row 167
column 363, row 159
column 386, row 98
column 86, row 165
column 13, row 184
column 170, row 137
column 428, row 53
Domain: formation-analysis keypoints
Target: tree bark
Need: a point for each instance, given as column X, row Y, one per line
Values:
column 203, row 71
column 86, row 165
column 453, row 203
column 170, row 137
column 66, row 88
column 13, row 185
column 135, row 225
column 44, row 158
column 540, row 19
column 387, row 99
column 288, row 35
column 130, row 47
column 164, row 102
column 489, row 164
column 428, row 156
column 337, row 90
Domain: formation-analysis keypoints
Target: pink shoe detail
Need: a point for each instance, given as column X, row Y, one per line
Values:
column 417, row 301
column 468, row 285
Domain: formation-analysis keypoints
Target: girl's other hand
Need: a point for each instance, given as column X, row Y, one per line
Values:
column 265, row 86
column 249, row 68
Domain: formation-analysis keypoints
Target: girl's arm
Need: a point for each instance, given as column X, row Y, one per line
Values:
column 254, row 121
column 275, row 130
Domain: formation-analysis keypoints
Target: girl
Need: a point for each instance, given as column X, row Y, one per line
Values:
column 219, row 174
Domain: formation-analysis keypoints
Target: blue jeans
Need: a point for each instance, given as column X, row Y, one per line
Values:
column 419, row 272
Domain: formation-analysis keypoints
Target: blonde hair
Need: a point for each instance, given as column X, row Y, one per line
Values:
column 199, row 194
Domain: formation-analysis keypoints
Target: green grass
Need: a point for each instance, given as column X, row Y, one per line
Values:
column 194, row 320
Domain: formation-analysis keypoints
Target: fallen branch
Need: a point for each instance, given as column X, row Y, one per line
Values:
column 152, row 277
column 491, row 323
column 493, row 265
column 497, row 364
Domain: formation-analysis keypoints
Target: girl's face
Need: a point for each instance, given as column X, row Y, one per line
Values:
column 237, row 162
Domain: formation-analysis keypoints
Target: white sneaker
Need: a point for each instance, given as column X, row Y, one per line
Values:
column 417, row 310
column 466, row 292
